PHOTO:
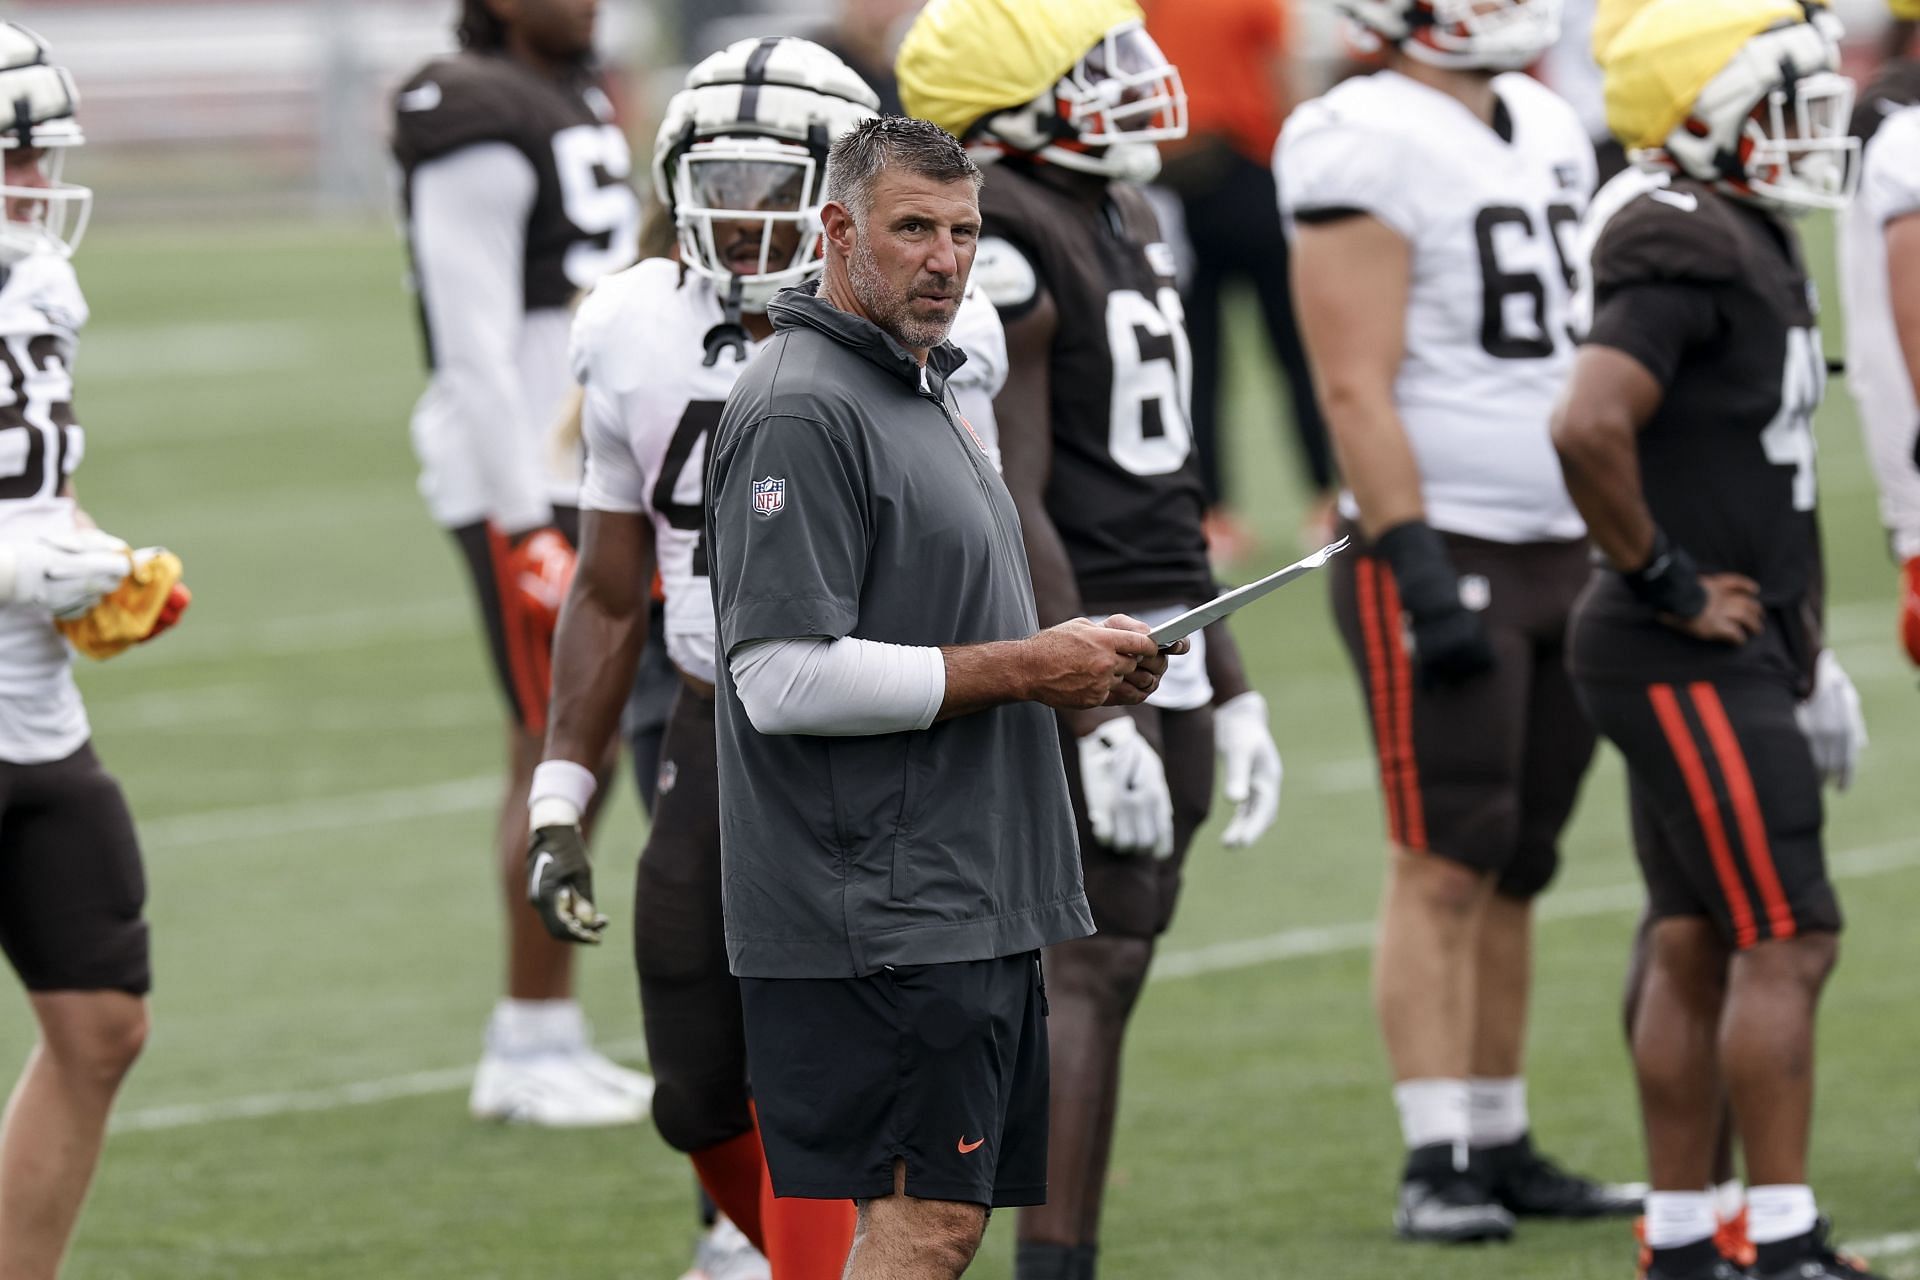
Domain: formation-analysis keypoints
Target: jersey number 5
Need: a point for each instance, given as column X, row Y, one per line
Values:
column 593, row 163
column 1499, row 287
column 1152, row 382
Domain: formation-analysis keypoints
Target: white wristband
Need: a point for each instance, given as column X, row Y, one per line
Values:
column 561, row 792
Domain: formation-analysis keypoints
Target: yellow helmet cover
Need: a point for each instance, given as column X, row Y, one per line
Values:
column 964, row 60
column 1667, row 53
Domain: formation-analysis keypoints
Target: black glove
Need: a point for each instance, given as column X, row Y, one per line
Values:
column 1450, row 644
column 560, row 884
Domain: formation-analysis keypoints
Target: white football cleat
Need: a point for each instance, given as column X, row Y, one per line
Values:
column 550, row 1090
column 725, row 1253
column 610, row 1075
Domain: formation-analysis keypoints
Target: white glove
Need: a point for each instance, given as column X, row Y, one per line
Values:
column 64, row 572
column 1250, row 764
column 1128, row 804
column 1831, row 719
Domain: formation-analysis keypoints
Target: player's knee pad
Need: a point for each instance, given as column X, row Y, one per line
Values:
column 694, row 1111
column 1534, row 865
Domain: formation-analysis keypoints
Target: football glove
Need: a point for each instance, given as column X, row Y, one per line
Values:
column 560, row 876
column 66, row 573
column 1448, row 640
column 147, row 602
column 1250, row 763
column 1128, row 804
column 1831, row 719
column 1910, row 609
column 535, row 574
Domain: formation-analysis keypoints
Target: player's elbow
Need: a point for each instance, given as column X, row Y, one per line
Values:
column 1586, row 430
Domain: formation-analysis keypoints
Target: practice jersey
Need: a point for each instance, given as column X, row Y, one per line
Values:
column 1877, row 370
column 41, row 313
column 514, row 189
column 651, row 405
column 1711, row 295
column 1124, row 490
column 1490, row 215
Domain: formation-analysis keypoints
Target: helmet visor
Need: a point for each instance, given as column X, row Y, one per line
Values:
column 1125, row 90
column 746, row 209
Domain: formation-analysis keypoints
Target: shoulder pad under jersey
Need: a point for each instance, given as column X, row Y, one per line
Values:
column 1679, row 232
column 457, row 102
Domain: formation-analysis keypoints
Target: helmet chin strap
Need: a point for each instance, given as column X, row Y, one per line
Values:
column 729, row 332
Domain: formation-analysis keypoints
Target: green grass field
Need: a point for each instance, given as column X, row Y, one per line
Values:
column 311, row 756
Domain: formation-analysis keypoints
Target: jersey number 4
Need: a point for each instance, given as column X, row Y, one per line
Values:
column 1152, row 382
column 1513, row 315
column 1788, row 439
column 678, row 495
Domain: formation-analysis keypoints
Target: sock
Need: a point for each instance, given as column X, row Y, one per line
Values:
column 1779, row 1213
column 524, row 1027
column 1044, row 1260
column 1729, row 1198
column 733, row 1173
column 1434, row 1113
column 1677, row 1218
column 1496, row 1111
column 806, row 1239
column 1086, row 1261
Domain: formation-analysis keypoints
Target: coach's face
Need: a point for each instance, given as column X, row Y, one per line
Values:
column 908, row 259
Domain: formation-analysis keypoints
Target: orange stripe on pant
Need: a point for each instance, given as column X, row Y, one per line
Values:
column 1416, row 816
column 1746, row 806
column 1366, row 575
column 1666, row 708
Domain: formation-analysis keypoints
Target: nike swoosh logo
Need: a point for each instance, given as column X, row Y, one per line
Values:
column 424, row 98
column 539, row 868
column 968, row 1148
column 1684, row 200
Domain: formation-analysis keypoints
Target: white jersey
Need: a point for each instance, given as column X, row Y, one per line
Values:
column 41, row 312
column 1491, row 220
column 652, row 404
column 1877, row 371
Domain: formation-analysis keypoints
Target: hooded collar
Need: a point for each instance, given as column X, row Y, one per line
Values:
column 801, row 307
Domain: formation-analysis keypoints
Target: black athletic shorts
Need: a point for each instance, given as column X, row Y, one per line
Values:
column 71, row 884
column 689, row 1001
column 521, row 667
column 1724, row 796
column 942, row 1066
column 1133, row 894
column 1484, row 773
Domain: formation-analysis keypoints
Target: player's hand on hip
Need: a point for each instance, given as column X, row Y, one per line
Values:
column 1250, row 765
column 65, row 572
column 1129, row 805
column 1732, row 614
column 560, row 883
column 1081, row 664
column 1831, row 719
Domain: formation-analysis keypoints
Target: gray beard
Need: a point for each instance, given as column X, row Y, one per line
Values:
column 890, row 313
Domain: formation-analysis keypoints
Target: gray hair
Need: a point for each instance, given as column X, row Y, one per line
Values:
column 872, row 147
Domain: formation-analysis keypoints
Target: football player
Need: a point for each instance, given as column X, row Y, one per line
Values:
column 1433, row 206
column 1686, row 436
column 71, row 884
column 1880, row 291
column 515, row 199
column 1062, row 104
column 739, row 161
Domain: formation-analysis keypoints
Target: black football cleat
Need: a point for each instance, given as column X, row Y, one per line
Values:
column 1810, row 1257
column 1441, row 1204
column 1699, row 1261
column 1529, row 1185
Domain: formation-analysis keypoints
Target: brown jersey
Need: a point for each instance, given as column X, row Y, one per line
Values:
column 1124, row 490
column 585, row 220
column 1711, row 295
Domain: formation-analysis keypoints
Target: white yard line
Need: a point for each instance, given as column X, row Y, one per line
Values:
column 331, row 813
column 1222, row 957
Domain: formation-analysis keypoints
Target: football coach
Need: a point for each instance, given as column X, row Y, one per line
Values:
column 896, row 840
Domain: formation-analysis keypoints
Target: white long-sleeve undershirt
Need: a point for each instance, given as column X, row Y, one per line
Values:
column 469, row 217
column 838, row 688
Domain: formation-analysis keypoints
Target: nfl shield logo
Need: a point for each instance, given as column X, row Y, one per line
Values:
column 769, row 495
